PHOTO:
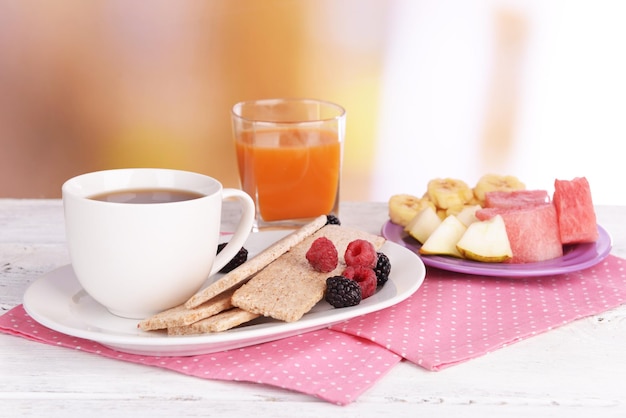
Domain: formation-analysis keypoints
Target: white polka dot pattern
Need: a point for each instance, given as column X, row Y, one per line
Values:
column 453, row 317
column 330, row 365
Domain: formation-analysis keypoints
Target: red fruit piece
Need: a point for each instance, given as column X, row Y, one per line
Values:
column 533, row 231
column 361, row 252
column 575, row 211
column 516, row 198
column 322, row 255
column 364, row 276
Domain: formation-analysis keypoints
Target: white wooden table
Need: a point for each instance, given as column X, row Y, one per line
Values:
column 578, row 370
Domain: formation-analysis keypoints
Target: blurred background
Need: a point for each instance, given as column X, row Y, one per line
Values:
column 433, row 88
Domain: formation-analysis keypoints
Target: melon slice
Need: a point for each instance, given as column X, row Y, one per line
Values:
column 443, row 240
column 516, row 198
column 486, row 241
column 575, row 212
column 423, row 224
column 533, row 231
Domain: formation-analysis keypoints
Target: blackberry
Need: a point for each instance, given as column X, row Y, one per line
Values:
column 240, row 258
column 332, row 220
column 382, row 269
column 342, row 292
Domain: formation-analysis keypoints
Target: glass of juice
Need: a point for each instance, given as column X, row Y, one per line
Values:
column 289, row 154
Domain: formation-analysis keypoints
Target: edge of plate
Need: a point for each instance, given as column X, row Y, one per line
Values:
column 514, row 270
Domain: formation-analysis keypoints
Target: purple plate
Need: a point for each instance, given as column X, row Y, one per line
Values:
column 575, row 257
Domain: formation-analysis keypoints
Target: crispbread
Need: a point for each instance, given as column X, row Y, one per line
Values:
column 257, row 263
column 217, row 323
column 289, row 287
column 181, row 315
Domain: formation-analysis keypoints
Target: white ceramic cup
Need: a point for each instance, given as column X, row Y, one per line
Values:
column 137, row 259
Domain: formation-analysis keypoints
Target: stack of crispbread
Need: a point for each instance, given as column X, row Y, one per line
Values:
column 278, row 283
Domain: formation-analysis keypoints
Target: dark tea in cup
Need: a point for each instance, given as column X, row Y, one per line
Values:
column 147, row 196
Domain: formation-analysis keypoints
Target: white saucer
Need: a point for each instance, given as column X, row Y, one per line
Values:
column 57, row 301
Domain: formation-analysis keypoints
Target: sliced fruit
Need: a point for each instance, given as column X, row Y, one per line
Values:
column 533, row 232
column 443, row 240
column 516, row 198
column 423, row 225
column 575, row 211
column 404, row 207
column 486, row 241
column 449, row 193
column 496, row 182
column 468, row 214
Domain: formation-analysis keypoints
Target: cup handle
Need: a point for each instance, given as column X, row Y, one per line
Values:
column 241, row 233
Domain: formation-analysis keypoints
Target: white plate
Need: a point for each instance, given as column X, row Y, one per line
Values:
column 57, row 301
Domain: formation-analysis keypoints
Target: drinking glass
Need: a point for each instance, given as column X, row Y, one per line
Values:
column 289, row 155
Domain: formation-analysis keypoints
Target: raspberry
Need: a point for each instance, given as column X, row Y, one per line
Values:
column 332, row 220
column 323, row 255
column 382, row 269
column 342, row 292
column 361, row 253
column 364, row 276
column 239, row 258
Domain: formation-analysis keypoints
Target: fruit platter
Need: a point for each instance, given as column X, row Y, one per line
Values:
column 500, row 228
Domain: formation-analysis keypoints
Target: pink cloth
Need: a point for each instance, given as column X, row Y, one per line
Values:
column 450, row 319
column 330, row 365
column 453, row 317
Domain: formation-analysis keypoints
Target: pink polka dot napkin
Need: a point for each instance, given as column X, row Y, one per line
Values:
column 330, row 365
column 454, row 317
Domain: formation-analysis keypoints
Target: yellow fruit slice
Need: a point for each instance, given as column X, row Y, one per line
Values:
column 496, row 182
column 404, row 207
column 449, row 193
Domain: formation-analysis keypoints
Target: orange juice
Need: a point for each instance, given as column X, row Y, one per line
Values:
column 292, row 173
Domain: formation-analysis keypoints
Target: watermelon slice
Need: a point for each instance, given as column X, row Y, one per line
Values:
column 516, row 198
column 533, row 231
column 575, row 212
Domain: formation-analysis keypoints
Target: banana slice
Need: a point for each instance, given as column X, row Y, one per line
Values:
column 449, row 193
column 404, row 207
column 495, row 182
